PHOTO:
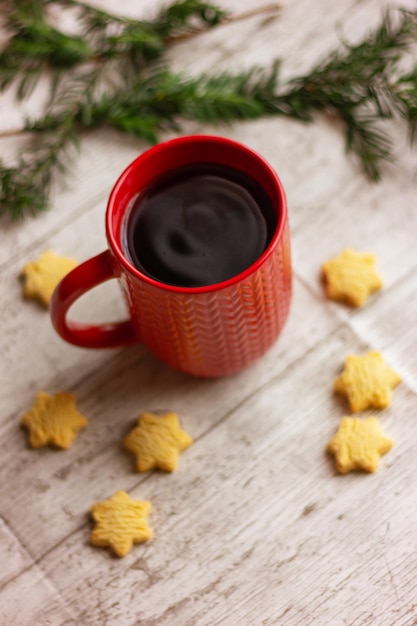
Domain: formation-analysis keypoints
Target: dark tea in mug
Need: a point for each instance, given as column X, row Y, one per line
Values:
column 199, row 225
column 198, row 238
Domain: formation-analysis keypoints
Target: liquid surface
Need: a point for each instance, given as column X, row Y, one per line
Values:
column 199, row 225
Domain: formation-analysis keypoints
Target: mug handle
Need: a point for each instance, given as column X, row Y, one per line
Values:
column 81, row 279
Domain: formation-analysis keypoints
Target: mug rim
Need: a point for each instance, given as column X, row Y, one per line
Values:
column 114, row 238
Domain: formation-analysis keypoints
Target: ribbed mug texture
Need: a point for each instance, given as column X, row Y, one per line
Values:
column 208, row 331
column 219, row 332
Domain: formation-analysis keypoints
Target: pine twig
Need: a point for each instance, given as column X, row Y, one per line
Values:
column 36, row 48
column 361, row 85
column 25, row 187
column 229, row 19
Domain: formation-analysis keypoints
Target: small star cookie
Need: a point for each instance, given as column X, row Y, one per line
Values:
column 351, row 277
column 121, row 521
column 367, row 381
column 42, row 276
column 53, row 420
column 156, row 441
column 358, row 444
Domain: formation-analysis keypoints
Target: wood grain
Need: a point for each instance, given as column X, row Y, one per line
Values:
column 254, row 527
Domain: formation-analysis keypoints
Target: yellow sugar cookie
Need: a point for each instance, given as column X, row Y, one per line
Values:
column 157, row 441
column 121, row 521
column 358, row 444
column 367, row 381
column 43, row 275
column 351, row 277
column 53, row 420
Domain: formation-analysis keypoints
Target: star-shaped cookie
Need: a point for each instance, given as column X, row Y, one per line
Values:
column 121, row 521
column 367, row 381
column 358, row 444
column 43, row 275
column 53, row 420
column 351, row 277
column 157, row 441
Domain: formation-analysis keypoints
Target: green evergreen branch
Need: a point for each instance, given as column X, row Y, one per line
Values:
column 362, row 85
column 25, row 187
column 36, row 47
column 138, row 42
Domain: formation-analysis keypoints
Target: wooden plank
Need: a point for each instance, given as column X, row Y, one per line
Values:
column 32, row 600
column 390, row 325
column 377, row 218
column 111, row 399
column 254, row 527
column 88, row 184
column 33, row 356
column 247, row 537
column 13, row 556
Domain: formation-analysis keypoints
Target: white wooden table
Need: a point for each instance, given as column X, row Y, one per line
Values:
column 255, row 527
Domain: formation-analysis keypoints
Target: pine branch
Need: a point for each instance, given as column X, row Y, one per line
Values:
column 168, row 98
column 25, row 187
column 36, row 48
column 361, row 85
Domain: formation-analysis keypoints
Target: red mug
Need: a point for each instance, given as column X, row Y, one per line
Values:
column 208, row 331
